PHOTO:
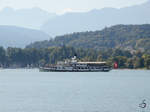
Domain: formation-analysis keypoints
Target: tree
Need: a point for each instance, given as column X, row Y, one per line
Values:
column 129, row 63
column 146, row 61
column 138, row 62
column 2, row 56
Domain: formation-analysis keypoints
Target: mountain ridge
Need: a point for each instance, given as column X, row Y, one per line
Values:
column 14, row 36
column 29, row 18
column 97, row 19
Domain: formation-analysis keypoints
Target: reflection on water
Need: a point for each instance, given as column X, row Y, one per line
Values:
column 32, row 91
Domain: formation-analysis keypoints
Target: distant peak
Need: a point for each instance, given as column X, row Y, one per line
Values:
column 94, row 10
column 37, row 8
column 108, row 9
column 147, row 2
column 103, row 9
column 8, row 9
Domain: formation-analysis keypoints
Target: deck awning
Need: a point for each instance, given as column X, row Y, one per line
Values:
column 91, row 62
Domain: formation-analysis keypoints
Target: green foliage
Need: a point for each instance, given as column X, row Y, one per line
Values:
column 42, row 57
column 2, row 56
column 125, row 37
column 129, row 45
column 147, row 61
column 138, row 62
column 121, row 60
column 129, row 63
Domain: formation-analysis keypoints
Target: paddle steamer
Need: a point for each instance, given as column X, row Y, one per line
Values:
column 73, row 65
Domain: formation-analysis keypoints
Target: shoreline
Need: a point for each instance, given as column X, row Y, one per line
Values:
column 112, row 69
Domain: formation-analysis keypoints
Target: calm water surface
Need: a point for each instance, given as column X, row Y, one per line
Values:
column 33, row 91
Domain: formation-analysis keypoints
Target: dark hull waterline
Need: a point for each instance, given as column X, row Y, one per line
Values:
column 75, row 70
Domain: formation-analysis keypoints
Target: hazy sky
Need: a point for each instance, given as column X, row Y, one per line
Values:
column 61, row 6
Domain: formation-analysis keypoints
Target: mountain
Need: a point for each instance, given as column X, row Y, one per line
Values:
column 20, row 37
column 29, row 18
column 126, row 37
column 97, row 19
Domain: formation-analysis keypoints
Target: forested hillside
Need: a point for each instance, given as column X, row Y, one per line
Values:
column 126, row 37
column 17, row 57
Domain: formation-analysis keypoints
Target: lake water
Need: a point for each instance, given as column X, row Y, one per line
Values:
column 33, row 91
